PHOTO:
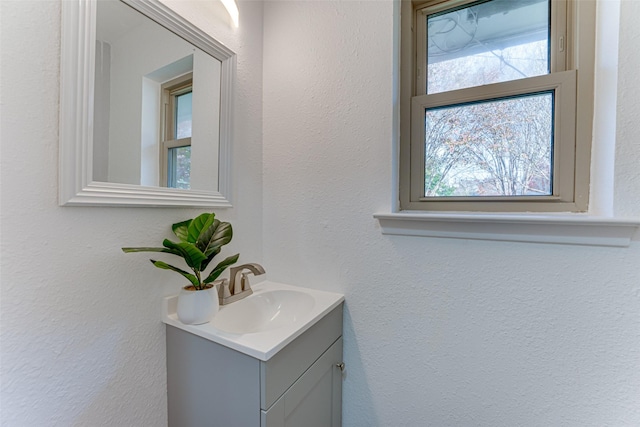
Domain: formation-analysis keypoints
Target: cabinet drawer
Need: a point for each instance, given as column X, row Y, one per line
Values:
column 282, row 370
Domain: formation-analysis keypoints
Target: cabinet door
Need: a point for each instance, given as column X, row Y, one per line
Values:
column 315, row 399
column 209, row 385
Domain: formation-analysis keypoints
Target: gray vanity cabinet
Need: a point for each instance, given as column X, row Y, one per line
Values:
column 211, row 385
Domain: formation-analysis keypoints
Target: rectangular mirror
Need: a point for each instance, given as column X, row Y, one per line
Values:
column 146, row 101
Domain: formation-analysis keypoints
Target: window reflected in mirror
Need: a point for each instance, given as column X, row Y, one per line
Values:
column 175, row 146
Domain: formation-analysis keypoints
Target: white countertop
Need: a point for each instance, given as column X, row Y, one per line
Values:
column 264, row 344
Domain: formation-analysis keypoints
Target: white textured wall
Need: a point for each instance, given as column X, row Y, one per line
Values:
column 81, row 339
column 627, row 184
column 438, row 332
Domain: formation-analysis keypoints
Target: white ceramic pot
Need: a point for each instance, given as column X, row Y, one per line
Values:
column 197, row 307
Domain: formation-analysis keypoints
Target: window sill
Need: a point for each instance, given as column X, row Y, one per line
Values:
column 571, row 229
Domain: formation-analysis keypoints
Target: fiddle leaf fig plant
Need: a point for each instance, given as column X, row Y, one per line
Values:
column 200, row 240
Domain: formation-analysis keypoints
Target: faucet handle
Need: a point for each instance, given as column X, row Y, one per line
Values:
column 244, row 282
column 223, row 289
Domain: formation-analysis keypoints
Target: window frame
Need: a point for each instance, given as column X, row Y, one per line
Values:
column 571, row 77
column 170, row 91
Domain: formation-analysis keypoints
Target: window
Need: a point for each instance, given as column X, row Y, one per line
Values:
column 175, row 146
column 496, row 105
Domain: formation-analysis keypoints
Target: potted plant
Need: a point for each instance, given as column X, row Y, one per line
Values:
column 200, row 240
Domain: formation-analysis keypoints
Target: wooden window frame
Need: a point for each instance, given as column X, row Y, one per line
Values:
column 571, row 79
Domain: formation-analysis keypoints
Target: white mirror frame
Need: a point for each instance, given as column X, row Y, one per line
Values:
column 77, row 65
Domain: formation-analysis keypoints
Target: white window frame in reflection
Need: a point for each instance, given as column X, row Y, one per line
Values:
column 171, row 90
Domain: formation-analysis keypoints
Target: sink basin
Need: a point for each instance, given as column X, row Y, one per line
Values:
column 264, row 311
column 263, row 323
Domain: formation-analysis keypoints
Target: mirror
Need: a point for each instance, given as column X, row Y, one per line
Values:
column 145, row 114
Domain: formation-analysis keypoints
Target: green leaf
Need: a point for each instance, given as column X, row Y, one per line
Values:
column 198, row 225
column 206, row 235
column 166, row 250
column 165, row 266
column 221, row 267
column 206, row 262
column 218, row 235
column 192, row 255
column 180, row 229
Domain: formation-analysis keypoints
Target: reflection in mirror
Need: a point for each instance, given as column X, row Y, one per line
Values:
column 145, row 107
column 156, row 108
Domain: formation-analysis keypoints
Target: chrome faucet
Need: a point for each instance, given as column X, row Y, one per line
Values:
column 238, row 286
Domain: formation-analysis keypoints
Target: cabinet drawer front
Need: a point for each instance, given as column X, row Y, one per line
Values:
column 282, row 370
column 315, row 399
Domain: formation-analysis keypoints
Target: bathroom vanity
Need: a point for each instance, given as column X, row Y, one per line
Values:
column 280, row 366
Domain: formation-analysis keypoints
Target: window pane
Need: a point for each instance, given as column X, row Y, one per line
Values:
column 488, row 42
column 179, row 168
column 183, row 116
column 491, row 148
